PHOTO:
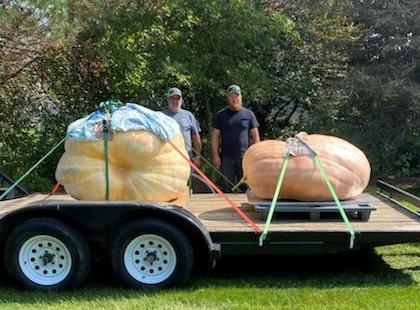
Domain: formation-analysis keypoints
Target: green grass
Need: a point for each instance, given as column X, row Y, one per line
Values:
column 388, row 278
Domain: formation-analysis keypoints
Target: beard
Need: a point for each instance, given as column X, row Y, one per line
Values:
column 236, row 105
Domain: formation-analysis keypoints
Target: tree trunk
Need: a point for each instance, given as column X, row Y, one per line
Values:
column 207, row 112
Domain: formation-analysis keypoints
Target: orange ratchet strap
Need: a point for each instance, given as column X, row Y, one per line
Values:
column 223, row 195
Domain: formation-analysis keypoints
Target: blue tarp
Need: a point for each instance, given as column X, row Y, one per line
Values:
column 129, row 117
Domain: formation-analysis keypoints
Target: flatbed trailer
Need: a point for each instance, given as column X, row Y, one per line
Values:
column 50, row 242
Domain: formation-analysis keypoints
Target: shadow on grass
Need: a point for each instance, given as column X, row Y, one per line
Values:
column 321, row 271
column 325, row 271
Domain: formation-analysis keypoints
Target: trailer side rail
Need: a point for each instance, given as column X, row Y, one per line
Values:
column 390, row 192
column 5, row 183
column 396, row 192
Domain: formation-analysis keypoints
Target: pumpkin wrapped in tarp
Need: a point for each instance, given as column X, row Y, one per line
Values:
column 346, row 165
column 143, row 166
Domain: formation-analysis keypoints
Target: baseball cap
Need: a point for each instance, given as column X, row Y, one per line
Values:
column 234, row 89
column 174, row 91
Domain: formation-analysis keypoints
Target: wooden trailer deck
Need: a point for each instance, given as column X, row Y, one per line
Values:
column 218, row 216
column 389, row 224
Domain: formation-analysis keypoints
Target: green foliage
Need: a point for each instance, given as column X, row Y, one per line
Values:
column 381, row 108
column 202, row 49
column 35, row 40
column 306, row 76
column 346, row 68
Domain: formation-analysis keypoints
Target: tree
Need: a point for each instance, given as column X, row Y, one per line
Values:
column 306, row 77
column 35, row 40
column 201, row 46
column 382, row 110
column 347, row 68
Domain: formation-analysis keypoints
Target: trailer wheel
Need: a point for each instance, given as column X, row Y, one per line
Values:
column 151, row 254
column 47, row 254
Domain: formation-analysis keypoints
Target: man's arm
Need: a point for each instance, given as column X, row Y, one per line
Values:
column 197, row 146
column 255, row 135
column 214, row 145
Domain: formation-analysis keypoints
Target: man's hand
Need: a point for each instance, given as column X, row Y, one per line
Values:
column 216, row 161
column 214, row 145
column 197, row 146
column 255, row 135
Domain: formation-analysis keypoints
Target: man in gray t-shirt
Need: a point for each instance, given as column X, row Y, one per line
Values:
column 187, row 122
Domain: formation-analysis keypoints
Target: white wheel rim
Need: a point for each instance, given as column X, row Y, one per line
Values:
column 45, row 260
column 150, row 259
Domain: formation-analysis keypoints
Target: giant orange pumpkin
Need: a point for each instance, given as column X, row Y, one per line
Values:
column 346, row 165
column 141, row 167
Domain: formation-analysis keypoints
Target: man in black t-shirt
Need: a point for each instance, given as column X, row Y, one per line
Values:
column 234, row 124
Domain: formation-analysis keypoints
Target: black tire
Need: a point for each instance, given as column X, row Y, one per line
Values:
column 61, row 259
column 139, row 240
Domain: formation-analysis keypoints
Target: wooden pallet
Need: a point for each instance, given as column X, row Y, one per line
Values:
column 355, row 209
